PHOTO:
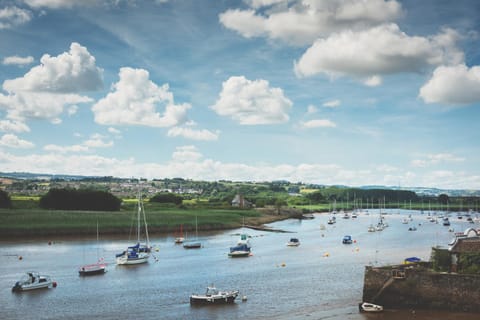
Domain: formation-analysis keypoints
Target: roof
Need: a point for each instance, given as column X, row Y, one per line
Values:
column 466, row 245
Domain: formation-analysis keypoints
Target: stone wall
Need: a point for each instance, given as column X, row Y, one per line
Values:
column 422, row 289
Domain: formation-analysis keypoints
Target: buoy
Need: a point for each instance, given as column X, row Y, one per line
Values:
column 326, row 254
column 354, row 241
column 49, row 243
column 357, row 249
column 283, row 264
column 54, row 284
column 20, row 257
column 244, row 298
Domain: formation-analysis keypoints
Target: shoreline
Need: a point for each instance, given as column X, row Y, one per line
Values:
column 7, row 235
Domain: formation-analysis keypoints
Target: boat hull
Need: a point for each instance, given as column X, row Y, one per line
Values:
column 196, row 245
column 206, row 300
column 91, row 270
column 239, row 254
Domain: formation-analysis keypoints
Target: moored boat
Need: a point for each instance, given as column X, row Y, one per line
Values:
column 370, row 307
column 214, row 296
column 294, row 242
column 93, row 269
column 239, row 251
column 140, row 252
column 32, row 281
column 347, row 239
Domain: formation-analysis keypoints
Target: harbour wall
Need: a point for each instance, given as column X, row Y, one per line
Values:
column 416, row 287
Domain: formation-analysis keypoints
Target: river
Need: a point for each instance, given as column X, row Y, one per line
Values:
column 320, row 279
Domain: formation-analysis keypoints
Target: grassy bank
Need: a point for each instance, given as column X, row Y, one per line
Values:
column 32, row 222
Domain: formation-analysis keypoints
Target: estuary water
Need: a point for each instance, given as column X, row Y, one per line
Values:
column 320, row 279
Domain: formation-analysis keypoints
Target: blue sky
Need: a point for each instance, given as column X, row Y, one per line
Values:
column 329, row 92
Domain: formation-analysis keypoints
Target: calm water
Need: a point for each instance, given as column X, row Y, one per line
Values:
column 320, row 279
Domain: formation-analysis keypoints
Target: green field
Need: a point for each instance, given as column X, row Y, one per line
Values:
column 27, row 220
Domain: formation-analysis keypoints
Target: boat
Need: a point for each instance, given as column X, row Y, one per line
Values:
column 214, row 296
column 95, row 268
column 32, row 281
column 370, row 307
column 193, row 244
column 371, row 228
column 180, row 238
column 294, row 242
column 347, row 239
column 140, row 252
column 446, row 222
column 239, row 251
column 308, row 216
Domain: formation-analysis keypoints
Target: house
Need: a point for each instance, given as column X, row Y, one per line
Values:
column 240, row 202
column 467, row 242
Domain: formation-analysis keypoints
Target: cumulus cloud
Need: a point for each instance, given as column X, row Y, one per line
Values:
column 300, row 22
column 311, row 109
column 45, row 90
column 381, row 50
column 16, row 60
column 73, row 71
column 134, row 101
column 318, row 123
column 252, row 102
column 186, row 153
column 95, row 141
column 373, row 81
column 192, row 134
column 332, row 103
column 13, row 126
column 12, row 141
column 11, row 17
column 453, row 85
column 432, row 159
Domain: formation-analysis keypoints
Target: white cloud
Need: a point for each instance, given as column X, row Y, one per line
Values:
column 301, row 22
column 252, row 102
column 318, row 123
column 72, row 110
column 188, row 133
column 16, row 60
column 332, row 104
column 433, row 159
column 70, row 72
column 45, row 90
column 373, row 81
column 59, row 4
column 189, row 163
column 186, row 154
column 114, row 131
column 311, row 109
column 377, row 51
column 134, row 101
column 95, row 141
column 11, row 17
column 13, row 126
column 12, row 141
column 453, row 85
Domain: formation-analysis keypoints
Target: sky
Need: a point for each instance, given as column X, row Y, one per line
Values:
column 344, row 92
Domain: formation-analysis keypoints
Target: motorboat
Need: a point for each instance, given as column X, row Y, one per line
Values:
column 370, row 307
column 294, row 242
column 32, row 281
column 347, row 239
column 214, row 296
column 239, row 251
column 192, row 245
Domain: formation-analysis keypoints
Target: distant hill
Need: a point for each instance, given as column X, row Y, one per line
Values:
column 425, row 191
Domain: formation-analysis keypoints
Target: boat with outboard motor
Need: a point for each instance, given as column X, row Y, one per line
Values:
column 32, row 281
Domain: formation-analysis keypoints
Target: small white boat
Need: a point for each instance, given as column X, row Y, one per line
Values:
column 370, row 307
column 93, row 269
column 32, row 281
column 294, row 242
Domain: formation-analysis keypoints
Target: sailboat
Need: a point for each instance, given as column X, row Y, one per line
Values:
column 180, row 237
column 140, row 252
column 193, row 244
column 95, row 268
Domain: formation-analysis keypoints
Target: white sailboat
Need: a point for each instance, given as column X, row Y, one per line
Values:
column 193, row 244
column 140, row 252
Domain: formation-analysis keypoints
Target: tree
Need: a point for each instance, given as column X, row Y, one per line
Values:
column 5, row 201
column 443, row 198
column 167, row 198
column 71, row 199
